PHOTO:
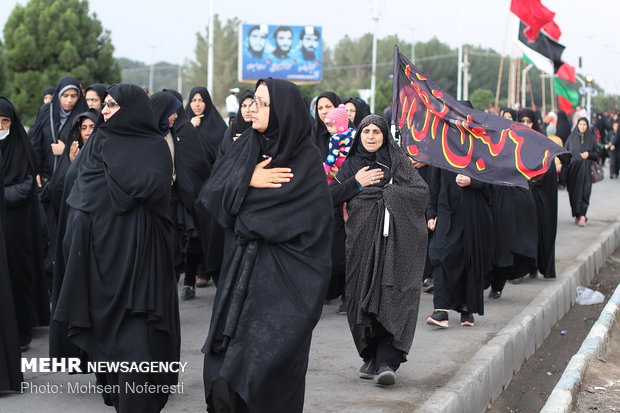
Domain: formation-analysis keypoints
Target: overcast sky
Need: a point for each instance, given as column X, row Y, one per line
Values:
column 157, row 30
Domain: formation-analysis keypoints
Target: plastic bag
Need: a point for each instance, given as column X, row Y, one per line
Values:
column 586, row 296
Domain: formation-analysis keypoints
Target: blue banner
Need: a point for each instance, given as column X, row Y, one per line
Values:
column 283, row 52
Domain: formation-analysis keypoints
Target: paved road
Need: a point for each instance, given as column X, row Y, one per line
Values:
column 332, row 383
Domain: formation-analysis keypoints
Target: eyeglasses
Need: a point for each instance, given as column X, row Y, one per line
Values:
column 5, row 122
column 111, row 104
column 259, row 102
column 92, row 99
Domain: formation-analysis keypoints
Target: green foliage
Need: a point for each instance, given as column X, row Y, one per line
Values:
column 225, row 54
column 165, row 75
column 48, row 39
column 607, row 103
column 4, row 85
column 481, row 98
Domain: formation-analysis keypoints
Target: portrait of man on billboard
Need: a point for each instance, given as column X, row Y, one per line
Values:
column 283, row 37
column 257, row 40
column 309, row 42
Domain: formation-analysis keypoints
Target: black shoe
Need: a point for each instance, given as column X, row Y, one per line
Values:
column 439, row 318
column 367, row 371
column 534, row 274
column 467, row 319
column 495, row 294
column 188, row 293
column 202, row 282
column 342, row 309
column 384, row 376
column 428, row 285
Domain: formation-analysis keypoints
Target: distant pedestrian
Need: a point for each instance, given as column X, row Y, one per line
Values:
column 582, row 145
column 232, row 104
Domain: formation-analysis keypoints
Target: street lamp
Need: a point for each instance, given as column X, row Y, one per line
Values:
column 588, row 91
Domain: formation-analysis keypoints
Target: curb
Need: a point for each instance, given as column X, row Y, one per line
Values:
column 488, row 373
column 561, row 398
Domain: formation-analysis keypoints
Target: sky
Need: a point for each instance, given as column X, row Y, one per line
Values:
column 158, row 30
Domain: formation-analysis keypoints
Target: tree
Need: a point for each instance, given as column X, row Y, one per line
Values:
column 48, row 39
column 4, row 86
column 225, row 55
column 481, row 98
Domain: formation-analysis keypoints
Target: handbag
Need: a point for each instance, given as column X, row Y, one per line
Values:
column 596, row 170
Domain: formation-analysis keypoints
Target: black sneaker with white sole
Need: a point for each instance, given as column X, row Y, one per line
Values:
column 367, row 371
column 384, row 376
column 467, row 319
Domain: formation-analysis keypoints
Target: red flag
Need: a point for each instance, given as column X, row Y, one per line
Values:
column 533, row 14
column 553, row 30
column 565, row 105
column 567, row 72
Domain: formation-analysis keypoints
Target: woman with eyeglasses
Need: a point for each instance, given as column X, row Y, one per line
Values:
column 22, row 229
column 270, row 194
column 118, row 297
column 545, row 193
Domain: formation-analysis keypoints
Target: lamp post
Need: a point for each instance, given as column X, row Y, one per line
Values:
column 588, row 91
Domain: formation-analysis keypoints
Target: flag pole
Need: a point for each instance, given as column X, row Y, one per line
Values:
column 395, row 133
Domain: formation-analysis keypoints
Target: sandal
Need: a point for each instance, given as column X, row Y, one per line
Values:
column 583, row 221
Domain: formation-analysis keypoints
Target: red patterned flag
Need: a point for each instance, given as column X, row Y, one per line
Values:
column 534, row 15
column 437, row 130
column 567, row 72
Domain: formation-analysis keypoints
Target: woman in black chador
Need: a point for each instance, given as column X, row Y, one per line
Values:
column 270, row 194
column 10, row 373
column 118, row 297
column 23, row 228
column 582, row 145
column 545, row 192
column 385, row 248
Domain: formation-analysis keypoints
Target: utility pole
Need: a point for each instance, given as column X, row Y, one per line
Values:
column 524, row 86
column 373, row 76
column 210, row 53
column 466, row 75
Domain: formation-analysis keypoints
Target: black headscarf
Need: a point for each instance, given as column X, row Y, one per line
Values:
column 239, row 124
column 122, row 190
column 529, row 113
column 164, row 104
column 212, row 126
column 577, row 143
column 512, row 112
column 361, row 110
column 180, row 110
column 99, row 88
column 563, row 127
column 47, row 91
column 279, row 234
column 320, row 134
column 19, row 160
column 359, row 157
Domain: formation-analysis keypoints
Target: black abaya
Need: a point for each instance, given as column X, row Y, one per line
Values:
column 277, row 262
column 118, row 297
column 320, row 134
column 22, row 230
column 460, row 251
column 10, row 369
column 578, row 179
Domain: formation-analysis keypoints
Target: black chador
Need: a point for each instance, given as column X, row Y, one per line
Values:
column 276, row 264
column 320, row 134
column 578, row 179
column 10, row 372
column 118, row 297
column 22, row 231
column 461, row 249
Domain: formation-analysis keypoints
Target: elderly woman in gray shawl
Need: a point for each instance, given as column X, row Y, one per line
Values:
column 385, row 200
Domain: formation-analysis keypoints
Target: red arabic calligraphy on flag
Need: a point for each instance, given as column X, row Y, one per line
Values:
column 439, row 131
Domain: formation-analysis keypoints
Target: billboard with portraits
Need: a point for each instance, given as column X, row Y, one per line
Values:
column 293, row 53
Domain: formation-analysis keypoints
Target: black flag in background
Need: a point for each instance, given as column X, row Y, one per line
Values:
column 437, row 130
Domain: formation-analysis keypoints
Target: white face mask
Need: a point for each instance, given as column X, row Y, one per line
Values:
column 4, row 134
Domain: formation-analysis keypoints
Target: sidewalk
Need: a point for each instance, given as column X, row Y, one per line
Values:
column 459, row 369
